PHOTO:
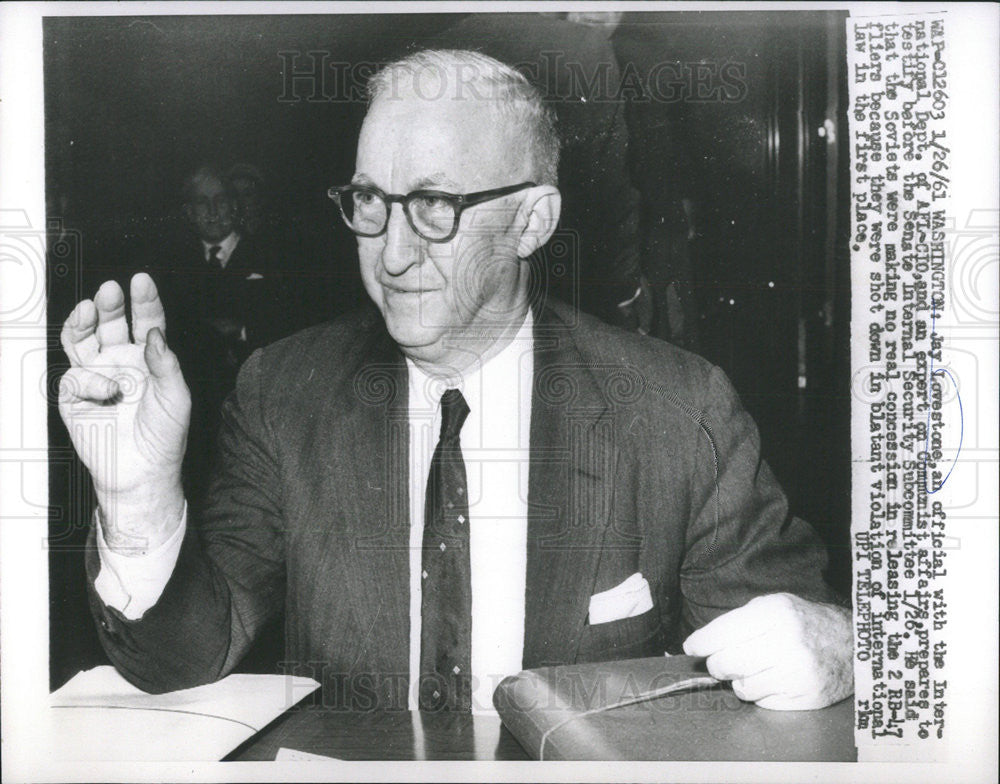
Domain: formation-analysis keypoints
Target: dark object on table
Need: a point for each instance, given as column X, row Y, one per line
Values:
column 609, row 711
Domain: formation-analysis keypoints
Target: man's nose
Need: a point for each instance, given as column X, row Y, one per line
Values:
column 403, row 248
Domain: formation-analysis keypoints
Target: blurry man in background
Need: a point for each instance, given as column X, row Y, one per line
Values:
column 234, row 295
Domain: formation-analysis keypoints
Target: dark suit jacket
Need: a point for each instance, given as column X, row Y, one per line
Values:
column 641, row 460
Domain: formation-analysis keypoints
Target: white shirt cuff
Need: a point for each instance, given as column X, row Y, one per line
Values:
column 133, row 584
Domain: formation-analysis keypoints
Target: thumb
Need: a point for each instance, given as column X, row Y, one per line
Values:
column 163, row 365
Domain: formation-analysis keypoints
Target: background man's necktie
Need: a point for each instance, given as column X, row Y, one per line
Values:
column 446, row 607
column 213, row 256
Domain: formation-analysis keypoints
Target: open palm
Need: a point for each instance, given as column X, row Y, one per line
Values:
column 124, row 401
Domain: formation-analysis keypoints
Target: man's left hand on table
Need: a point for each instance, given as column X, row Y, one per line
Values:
column 780, row 651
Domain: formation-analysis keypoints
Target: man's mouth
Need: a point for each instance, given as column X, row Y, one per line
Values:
column 399, row 290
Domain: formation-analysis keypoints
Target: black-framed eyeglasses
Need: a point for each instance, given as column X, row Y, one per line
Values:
column 432, row 214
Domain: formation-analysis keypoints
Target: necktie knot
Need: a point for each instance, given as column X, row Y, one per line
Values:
column 454, row 410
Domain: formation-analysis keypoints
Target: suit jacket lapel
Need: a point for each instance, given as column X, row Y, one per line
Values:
column 571, row 480
column 377, row 427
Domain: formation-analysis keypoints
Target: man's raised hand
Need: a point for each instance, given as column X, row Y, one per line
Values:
column 780, row 651
column 127, row 409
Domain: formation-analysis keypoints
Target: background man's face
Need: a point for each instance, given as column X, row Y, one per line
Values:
column 432, row 295
column 210, row 209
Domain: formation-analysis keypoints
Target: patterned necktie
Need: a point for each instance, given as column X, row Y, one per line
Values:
column 446, row 606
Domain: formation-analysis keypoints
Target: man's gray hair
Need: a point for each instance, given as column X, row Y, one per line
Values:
column 466, row 74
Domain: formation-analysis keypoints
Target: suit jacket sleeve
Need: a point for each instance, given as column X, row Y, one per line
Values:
column 741, row 540
column 230, row 574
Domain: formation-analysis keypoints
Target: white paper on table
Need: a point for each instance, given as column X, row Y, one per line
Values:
column 294, row 755
column 98, row 715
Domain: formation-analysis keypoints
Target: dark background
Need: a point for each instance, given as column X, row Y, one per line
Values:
column 743, row 205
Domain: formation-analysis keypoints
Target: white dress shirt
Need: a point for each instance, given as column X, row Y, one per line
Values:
column 226, row 248
column 495, row 439
column 495, row 446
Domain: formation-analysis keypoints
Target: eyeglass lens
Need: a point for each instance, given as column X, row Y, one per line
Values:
column 366, row 212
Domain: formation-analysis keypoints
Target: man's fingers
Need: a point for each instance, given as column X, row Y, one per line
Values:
column 784, row 702
column 732, row 628
column 78, row 337
column 147, row 309
column 164, row 368
column 746, row 659
column 112, row 328
column 95, row 324
column 82, row 385
column 759, row 686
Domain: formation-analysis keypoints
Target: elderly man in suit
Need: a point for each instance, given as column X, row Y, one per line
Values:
column 461, row 481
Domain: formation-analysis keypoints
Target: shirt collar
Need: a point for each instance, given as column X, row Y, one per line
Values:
column 226, row 248
column 495, row 373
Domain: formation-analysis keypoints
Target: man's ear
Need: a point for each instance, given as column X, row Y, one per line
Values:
column 540, row 208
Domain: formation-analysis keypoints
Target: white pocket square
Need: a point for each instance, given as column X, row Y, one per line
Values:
column 625, row 600
column 254, row 276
